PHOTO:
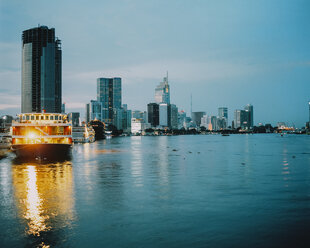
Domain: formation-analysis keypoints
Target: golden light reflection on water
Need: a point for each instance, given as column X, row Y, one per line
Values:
column 33, row 204
column 44, row 197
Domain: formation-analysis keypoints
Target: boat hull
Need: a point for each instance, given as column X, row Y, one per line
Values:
column 42, row 151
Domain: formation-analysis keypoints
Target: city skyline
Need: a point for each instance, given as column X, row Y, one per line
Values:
column 253, row 53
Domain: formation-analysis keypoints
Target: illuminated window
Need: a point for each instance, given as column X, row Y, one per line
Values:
column 46, row 117
column 52, row 117
column 32, row 117
column 27, row 117
column 42, row 117
column 37, row 117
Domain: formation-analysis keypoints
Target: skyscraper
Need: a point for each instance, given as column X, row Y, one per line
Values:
column 249, row 109
column 153, row 114
column 223, row 112
column 162, row 92
column 165, row 115
column 240, row 119
column 109, row 93
column 41, row 71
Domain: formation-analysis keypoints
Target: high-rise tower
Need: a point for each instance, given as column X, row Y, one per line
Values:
column 109, row 94
column 249, row 109
column 162, row 92
column 41, row 71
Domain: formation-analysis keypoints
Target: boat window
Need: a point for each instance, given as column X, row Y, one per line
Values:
column 42, row 117
column 24, row 117
column 46, row 117
column 56, row 117
column 27, row 117
column 37, row 117
column 52, row 117
column 60, row 117
column 32, row 117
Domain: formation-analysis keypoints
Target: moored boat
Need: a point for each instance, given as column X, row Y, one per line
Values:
column 42, row 135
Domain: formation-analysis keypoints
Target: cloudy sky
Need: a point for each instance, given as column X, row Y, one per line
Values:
column 225, row 53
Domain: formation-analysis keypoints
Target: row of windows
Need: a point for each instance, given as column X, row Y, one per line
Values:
column 42, row 117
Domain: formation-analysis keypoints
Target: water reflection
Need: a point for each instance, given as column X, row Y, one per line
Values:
column 44, row 200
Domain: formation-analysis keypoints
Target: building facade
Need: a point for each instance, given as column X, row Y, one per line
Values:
column 153, row 114
column 41, row 71
column 250, row 115
column 174, row 116
column 162, row 92
column 196, row 117
column 165, row 115
column 109, row 93
column 74, row 117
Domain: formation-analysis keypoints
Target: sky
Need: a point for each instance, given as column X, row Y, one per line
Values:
column 223, row 53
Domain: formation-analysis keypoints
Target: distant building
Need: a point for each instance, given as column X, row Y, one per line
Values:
column 196, row 117
column 95, row 110
column 181, row 119
column 221, row 123
column 162, row 92
column 250, row 121
column 137, row 126
column 223, row 112
column 244, row 118
column 87, row 113
column 109, row 93
column 74, row 117
column 240, row 119
column 63, row 108
column 153, row 114
column 174, row 116
column 41, row 71
column 165, row 115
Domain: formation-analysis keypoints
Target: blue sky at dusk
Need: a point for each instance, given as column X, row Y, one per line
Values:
column 224, row 53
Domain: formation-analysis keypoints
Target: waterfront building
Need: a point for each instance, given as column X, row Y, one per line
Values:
column 109, row 94
column 221, row 123
column 74, row 118
column 196, row 117
column 162, row 92
column 137, row 126
column 153, row 114
column 126, row 118
column 41, row 71
column 119, row 118
column 241, row 119
column 95, row 110
column 223, row 112
column 174, row 116
column 204, row 121
column 181, row 119
column 165, row 115
column 87, row 112
column 249, row 110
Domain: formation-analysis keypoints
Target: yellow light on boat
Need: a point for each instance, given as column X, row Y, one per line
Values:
column 31, row 135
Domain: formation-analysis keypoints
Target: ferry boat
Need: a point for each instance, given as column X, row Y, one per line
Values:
column 42, row 136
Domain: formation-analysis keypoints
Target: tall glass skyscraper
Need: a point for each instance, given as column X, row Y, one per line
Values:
column 162, row 92
column 109, row 94
column 249, row 109
column 41, row 71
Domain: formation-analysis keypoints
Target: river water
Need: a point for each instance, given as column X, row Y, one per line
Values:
column 177, row 191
